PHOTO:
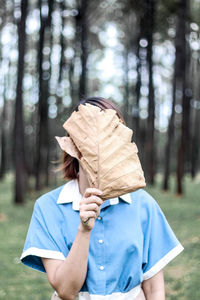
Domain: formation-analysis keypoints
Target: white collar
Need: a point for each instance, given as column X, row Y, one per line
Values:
column 70, row 193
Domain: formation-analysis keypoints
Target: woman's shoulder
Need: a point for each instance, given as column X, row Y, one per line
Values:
column 141, row 196
column 49, row 199
column 144, row 203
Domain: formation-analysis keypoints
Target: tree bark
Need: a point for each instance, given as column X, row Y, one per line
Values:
column 150, row 146
column 137, row 90
column 183, row 17
column 195, row 145
column 170, row 134
column 43, row 128
column 19, row 151
column 3, row 141
column 84, row 48
column 126, row 86
column 62, row 42
column 195, row 139
column 3, row 117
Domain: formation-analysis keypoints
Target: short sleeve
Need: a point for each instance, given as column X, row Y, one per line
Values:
column 44, row 237
column 160, row 243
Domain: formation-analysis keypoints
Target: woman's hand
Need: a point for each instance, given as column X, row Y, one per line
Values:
column 68, row 276
column 89, row 208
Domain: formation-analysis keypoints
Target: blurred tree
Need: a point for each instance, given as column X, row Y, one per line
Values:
column 138, row 84
column 147, row 15
column 4, row 110
column 3, row 138
column 126, row 85
column 150, row 146
column 63, row 64
column 84, row 47
column 62, row 40
column 70, row 43
column 42, row 161
column 142, row 47
column 182, row 15
column 82, row 35
column 195, row 136
column 19, row 150
column 128, row 20
column 176, row 78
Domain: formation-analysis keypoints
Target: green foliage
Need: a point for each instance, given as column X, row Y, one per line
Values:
column 182, row 278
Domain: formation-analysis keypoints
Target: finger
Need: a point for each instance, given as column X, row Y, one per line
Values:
column 84, row 215
column 92, row 199
column 92, row 191
column 86, row 221
column 90, row 207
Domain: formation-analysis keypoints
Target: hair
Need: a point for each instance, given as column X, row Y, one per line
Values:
column 70, row 165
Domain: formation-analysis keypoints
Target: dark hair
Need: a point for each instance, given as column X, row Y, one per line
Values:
column 70, row 164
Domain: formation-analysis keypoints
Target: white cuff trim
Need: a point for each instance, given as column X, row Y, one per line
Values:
column 163, row 262
column 43, row 253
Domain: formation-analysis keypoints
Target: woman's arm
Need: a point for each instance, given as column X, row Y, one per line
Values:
column 154, row 287
column 68, row 276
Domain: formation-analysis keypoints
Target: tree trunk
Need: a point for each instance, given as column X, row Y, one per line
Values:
column 43, row 129
column 170, row 135
column 71, row 81
column 176, row 85
column 19, row 151
column 195, row 145
column 138, row 86
column 195, row 140
column 150, row 146
column 62, row 63
column 62, row 42
column 182, row 15
column 126, row 87
column 140, row 130
column 3, row 141
column 3, row 118
column 84, row 48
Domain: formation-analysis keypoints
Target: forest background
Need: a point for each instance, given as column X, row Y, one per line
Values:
column 144, row 55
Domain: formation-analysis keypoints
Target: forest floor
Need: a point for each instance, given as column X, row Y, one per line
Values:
column 182, row 275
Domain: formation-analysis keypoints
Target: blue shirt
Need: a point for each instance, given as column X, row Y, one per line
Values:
column 131, row 240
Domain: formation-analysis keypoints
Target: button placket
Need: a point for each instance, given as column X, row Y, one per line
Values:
column 97, row 257
column 100, row 243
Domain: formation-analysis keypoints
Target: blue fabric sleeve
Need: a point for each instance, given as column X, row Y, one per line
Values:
column 160, row 243
column 44, row 237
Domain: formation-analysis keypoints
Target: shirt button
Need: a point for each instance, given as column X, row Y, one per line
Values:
column 101, row 268
column 100, row 241
column 99, row 218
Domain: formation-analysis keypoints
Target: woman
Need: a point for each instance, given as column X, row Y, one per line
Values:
column 114, row 249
